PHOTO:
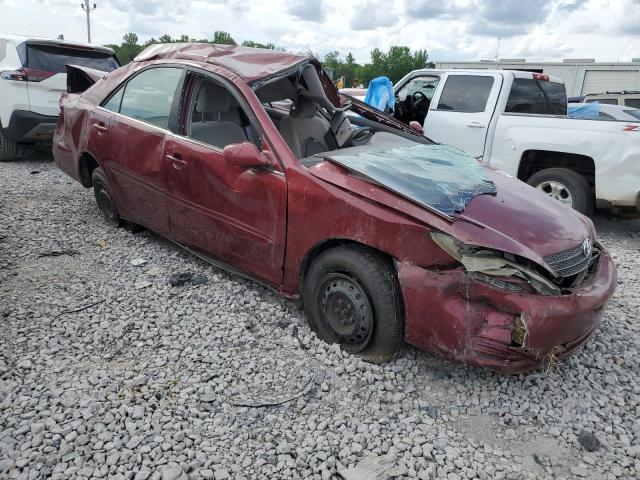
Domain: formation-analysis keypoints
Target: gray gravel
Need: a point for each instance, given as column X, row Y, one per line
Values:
column 106, row 371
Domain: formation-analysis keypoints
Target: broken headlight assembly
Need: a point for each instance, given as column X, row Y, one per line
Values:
column 499, row 269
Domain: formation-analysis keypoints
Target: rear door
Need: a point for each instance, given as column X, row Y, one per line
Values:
column 129, row 132
column 462, row 110
column 45, row 66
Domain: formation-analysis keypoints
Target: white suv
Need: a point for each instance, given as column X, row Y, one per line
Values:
column 32, row 78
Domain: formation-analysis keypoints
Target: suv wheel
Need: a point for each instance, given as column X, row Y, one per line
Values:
column 566, row 186
column 352, row 297
column 8, row 148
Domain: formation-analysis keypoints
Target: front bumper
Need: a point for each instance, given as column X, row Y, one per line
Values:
column 26, row 126
column 450, row 314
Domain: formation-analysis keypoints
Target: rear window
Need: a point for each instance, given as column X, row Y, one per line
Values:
column 632, row 102
column 51, row 58
column 465, row 93
column 538, row 97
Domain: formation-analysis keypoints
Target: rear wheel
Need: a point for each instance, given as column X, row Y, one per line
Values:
column 566, row 186
column 352, row 297
column 104, row 197
column 8, row 148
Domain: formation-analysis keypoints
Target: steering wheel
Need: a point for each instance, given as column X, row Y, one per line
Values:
column 361, row 136
column 419, row 103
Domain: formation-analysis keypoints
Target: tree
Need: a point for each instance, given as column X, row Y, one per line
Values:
column 129, row 48
column 223, row 38
column 251, row 43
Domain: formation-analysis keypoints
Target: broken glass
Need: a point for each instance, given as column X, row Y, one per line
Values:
column 439, row 177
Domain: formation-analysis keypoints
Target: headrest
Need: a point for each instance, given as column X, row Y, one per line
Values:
column 214, row 98
column 277, row 90
column 303, row 107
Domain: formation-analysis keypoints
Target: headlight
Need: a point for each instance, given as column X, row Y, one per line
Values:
column 493, row 263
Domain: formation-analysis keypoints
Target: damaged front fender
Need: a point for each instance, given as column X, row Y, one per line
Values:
column 492, row 263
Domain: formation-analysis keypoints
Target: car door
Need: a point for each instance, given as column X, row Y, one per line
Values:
column 231, row 214
column 462, row 110
column 130, row 129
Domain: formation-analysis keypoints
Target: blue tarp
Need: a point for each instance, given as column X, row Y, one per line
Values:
column 380, row 94
column 584, row 111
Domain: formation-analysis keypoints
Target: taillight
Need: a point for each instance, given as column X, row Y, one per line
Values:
column 541, row 76
column 26, row 75
column 34, row 75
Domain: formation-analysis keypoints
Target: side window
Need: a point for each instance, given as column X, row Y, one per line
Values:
column 632, row 102
column 537, row 97
column 465, row 93
column 215, row 116
column 604, row 116
column 425, row 85
column 113, row 104
column 148, row 96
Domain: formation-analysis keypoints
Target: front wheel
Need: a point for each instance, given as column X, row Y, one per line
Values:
column 566, row 186
column 352, row 297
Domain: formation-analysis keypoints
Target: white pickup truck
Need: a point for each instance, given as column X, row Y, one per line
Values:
column 516, row 121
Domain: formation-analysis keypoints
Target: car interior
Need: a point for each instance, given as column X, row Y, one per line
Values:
column 216, row 118
column 311, row 124
column 414, row 99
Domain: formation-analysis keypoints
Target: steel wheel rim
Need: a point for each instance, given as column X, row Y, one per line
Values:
column 106, row 204
column 557, row 191
column 346, row 311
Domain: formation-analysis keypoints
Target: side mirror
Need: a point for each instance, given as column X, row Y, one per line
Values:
column 245, row 155
column 416, row 126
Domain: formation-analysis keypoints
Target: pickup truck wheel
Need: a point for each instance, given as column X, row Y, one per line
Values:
column 352, row 297
column 104, row 197
column 566, row 186
column 8, row 148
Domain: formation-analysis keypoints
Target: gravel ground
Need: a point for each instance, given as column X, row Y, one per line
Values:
column 106, row 371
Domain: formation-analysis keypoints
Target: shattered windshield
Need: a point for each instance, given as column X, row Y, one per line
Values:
column 440, row 177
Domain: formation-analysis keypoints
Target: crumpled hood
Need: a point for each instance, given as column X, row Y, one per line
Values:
column 516, row 218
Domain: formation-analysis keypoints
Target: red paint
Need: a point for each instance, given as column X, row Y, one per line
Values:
column 264, row 213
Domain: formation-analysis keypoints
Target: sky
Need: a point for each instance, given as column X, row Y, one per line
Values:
column 607, row 30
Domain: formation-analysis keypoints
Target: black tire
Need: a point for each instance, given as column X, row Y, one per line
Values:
column 352, row 297
column 8, row 148
column 104, row 197
column 581, row 194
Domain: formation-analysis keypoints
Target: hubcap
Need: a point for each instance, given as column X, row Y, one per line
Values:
column 558, row 191
column 346, row 310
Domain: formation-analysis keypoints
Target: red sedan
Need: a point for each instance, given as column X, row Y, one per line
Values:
column 384, row 235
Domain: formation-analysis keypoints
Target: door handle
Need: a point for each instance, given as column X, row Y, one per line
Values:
column 475, row 125
column 177, row 162
column 100, row 126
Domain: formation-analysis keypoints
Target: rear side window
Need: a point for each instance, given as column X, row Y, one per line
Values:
column 633, row 113
column 605, row 101
column 538, row 97
column 3, row 50
column 465, row 93
column 149, row 96
column 632, row 102
column 52, row 58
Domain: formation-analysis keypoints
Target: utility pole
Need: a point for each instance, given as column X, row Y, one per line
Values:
column 497, row 50
column 88, row 9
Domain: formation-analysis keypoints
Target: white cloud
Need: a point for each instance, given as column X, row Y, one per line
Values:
column 453, row 29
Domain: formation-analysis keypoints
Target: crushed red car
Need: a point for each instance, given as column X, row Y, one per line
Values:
column 384, row 235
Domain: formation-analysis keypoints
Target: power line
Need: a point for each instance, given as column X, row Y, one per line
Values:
column 88, row 9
